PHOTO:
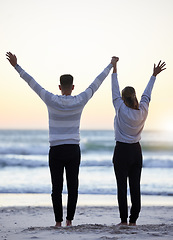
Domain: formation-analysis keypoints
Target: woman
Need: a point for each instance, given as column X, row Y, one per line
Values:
column 128, row 124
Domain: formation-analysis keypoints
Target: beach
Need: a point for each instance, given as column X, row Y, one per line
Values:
column 18, row 223
column 31, row 221
column 25, row 188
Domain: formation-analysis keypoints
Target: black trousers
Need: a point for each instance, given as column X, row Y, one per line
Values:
column 127, row 161
column 66, row 157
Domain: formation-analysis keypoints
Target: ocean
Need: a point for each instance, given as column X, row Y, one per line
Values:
column 24, row 163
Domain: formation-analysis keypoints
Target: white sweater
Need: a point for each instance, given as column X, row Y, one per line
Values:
column 128, row 122
column 64, row 111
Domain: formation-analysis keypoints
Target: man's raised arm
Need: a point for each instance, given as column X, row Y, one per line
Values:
column 97, row 82
column 42, row 93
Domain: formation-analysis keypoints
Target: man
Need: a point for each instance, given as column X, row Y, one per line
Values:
column 64, row 121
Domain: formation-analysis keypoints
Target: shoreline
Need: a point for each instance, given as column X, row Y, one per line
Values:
column 89, row 200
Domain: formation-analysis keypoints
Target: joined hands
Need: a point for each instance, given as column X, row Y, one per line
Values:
column 114, row 60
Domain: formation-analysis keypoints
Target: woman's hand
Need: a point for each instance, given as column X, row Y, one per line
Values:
column 159, row 68
column 114, row 63
column 114, row 60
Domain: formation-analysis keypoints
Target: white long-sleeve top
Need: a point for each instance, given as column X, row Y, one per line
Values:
column 128, row 122
column 64, row 111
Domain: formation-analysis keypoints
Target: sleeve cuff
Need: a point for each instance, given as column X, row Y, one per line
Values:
column 114, row 74
column 153, row 77
column 16, row 66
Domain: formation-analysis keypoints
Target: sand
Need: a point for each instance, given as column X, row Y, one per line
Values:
column 91, row 222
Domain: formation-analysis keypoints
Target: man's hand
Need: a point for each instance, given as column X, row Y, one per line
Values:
column 159, row 68
column 114, row 63
column 114, row 60
column 11, row 58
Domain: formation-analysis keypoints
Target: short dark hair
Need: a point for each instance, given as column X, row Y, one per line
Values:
column 66, row 80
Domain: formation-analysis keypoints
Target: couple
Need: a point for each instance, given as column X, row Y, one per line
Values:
column 64, row 121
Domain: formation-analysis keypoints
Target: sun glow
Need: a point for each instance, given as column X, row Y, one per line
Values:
column 58, row 38
column 168, row 125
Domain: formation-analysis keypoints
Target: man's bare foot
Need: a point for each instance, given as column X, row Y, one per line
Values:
column 122, row 224
column 58, row 224
column 68, row 223
column 132, row 224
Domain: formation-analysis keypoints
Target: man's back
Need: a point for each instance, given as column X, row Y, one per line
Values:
column 64, row 110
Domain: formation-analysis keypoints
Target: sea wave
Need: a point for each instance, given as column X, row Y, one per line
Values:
column 104, row 191
column 159, row 193
column 23, row 161
column 155, row 163
column 23, row 149
column 42, row 161
column 25, row 153
column 88, row 147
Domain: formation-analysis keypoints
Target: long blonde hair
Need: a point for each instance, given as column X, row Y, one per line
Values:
column 129, row 98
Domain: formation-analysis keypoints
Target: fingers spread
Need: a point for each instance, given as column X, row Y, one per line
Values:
column 163, row 64
column 159, row 63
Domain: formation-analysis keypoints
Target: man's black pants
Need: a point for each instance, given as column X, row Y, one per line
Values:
column 127, row 161
column 64, row 156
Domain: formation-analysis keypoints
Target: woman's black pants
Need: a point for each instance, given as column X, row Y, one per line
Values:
column 127, row 161
column 66, row 157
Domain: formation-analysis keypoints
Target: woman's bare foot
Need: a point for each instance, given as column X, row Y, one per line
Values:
column 68, row 223
column 132, row 224
column 58, row 224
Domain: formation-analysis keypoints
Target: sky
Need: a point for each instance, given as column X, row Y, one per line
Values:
column 79, row 37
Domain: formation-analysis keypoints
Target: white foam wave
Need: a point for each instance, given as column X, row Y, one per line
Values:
column 42, row 161
column 24, row 150
column 23, row 161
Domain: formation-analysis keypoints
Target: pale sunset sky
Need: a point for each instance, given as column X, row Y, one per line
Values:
column 54, row 37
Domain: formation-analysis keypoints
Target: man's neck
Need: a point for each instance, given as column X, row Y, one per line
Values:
column 66, row 93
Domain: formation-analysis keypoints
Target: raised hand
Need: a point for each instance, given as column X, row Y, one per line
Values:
column 114, row 63
column 114, row 60
column 11, row 58
column 160, row 67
